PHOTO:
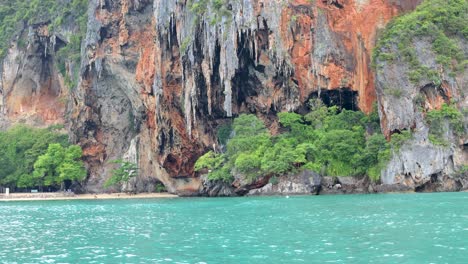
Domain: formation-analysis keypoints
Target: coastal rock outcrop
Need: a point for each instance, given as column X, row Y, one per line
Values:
column 306, row 182
column 315, row 184
column 408, row 89
column 158, row 79
column 216, row 188
column 170, row 74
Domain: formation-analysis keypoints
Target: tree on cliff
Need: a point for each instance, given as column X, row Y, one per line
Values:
column 121, row 175
column 328, row 140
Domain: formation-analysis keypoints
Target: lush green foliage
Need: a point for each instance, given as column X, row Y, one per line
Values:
column 16, row 14
column 216, row 10
column 441, row 22
column 328, row 140
column 436, row 120
column 57, row 165
column 159, row 188
column 463, row 169
column 125, row 171
column 398, row 139
column 224, row 132
column 38, row 157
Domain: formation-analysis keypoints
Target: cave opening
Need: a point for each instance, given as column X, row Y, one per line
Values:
column 162, row 142
column 335, row 3
column 159, row 186
column 59, row 43
column 343, row 98
column 90, row 125
column 103, row 33
column 430, row 93
column 245, row 82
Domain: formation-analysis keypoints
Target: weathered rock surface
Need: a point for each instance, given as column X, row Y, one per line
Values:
column 155, row 71
column 157, row 80
column 311, row 183
column 345, row 185
column 215, row 188
column 31, row 88
column 403, row 105
column 306, row 182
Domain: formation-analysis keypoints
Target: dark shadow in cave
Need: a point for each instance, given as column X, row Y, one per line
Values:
column 431, row 92
column 344, row 98
column 245, row 82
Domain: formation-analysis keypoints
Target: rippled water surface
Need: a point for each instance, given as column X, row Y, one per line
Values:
column 387, row 228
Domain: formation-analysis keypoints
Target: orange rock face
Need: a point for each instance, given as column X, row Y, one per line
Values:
column 31, row 89
column 355, row 25
column 156, row 75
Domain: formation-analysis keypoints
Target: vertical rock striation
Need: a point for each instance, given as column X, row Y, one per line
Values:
column 404, row 104
column 32, row 90
column 159, row 77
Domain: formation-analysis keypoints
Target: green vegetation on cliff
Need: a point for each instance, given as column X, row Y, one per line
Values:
column 440, row 22
column 439, row 118
column 123, row 173
column 17, row 15
column 215, row 10
column 327, row 140
column 37, row 158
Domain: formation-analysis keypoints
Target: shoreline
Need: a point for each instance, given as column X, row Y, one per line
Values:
column 18, row 197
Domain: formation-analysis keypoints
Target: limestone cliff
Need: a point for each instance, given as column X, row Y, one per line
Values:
column 418, row 82
column 31, row 89
column 158, row 78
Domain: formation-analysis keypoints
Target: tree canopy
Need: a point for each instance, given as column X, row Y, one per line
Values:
column 32, row 157
column 333, row 141
column 125, row 171
column 57, row 165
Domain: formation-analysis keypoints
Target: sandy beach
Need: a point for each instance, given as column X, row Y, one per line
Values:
column 71, row 196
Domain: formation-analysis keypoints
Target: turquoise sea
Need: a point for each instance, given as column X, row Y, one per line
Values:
column 383, row 228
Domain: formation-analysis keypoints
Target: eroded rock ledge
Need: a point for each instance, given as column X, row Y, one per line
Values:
column 311, row 183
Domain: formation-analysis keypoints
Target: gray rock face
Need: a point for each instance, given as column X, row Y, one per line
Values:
column 306, row 182
column 311, row 183
column 416, row 162
column 166, row 77
column 444, row 183
column 216, row 188
column 345, row 185
column 31, row 88
column 403, row 105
